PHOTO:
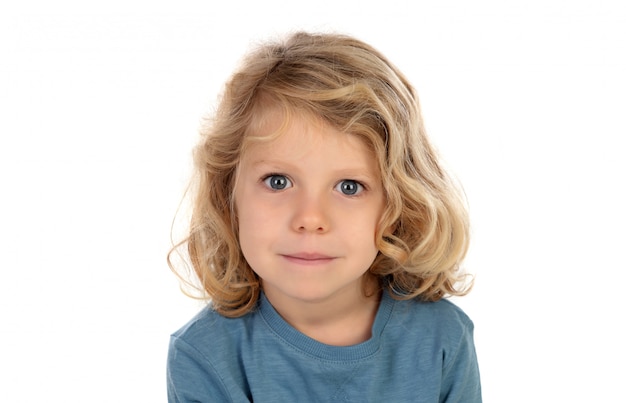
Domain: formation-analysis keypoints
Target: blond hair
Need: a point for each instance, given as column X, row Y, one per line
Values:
column 424, row 232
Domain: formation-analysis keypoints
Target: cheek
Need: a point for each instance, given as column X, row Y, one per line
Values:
column 247, row 225
column 258, row 228
column 248, row 241
column 363, row 233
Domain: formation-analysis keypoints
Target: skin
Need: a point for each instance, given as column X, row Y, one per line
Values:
column 308, row 206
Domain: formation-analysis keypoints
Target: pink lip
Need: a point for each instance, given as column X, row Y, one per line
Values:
column 305, row 258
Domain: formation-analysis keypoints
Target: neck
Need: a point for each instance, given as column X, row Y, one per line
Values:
column 342, row 320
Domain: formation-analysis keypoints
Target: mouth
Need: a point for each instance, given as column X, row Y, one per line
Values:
column 308, row 259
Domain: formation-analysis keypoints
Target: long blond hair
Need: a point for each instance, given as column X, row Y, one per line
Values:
column 423, row 234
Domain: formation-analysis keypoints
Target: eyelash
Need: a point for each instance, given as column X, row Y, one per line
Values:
column 360, row 187
column 265, row 179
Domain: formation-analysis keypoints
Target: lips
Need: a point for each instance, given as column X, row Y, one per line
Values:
column 308, row 259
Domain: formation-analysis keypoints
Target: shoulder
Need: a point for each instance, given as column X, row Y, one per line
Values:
column 439, row 314
column 440, row 325
column 208, row 331
column 201, row 356
column 437, row 338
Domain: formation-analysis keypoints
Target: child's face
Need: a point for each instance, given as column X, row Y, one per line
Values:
column 308, row 205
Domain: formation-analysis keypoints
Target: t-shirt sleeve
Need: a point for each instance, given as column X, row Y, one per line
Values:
column 191, row 377
column 461, row 378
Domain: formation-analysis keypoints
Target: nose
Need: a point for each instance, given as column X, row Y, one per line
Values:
column 311, row 215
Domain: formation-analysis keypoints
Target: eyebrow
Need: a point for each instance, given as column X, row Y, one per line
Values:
column 348, row 172
column 276, row 164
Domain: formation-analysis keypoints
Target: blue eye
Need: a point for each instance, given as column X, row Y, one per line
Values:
column 349, row 187
column 277, row 182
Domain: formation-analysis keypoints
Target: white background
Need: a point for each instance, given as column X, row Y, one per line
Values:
column 100, row 106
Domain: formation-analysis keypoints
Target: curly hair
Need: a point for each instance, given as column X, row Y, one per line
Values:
column 423, row 234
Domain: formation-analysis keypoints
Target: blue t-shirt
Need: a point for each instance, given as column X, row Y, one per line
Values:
column 418, row 352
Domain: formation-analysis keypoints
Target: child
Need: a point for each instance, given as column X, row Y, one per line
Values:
column 325, row 234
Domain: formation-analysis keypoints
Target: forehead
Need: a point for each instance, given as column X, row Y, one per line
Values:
column 295, row 134
column 272, row 121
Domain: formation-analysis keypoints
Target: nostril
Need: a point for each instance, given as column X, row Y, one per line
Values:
column 304, row 228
